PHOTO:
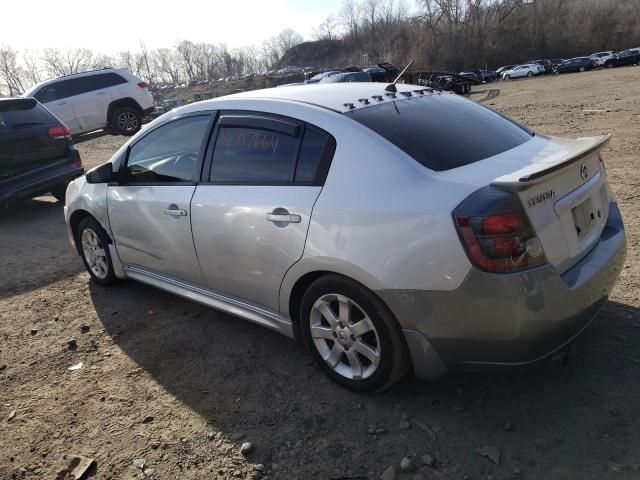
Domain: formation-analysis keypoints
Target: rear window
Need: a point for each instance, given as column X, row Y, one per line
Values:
column 442, row 131
column 23, row 113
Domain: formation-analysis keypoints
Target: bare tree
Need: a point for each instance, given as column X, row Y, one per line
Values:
column 11, row 73
column 327, row 29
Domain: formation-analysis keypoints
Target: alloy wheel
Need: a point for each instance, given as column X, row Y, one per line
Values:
column 94, row 253
column 345, row 337
column 127, row 122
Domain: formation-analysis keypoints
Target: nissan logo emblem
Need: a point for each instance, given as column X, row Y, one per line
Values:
column 584, row 172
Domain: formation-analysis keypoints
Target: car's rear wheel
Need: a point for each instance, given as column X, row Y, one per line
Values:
column 609, row 65
column 93, row 244
column 582, row 69
column 352, row 335
column 126, row 121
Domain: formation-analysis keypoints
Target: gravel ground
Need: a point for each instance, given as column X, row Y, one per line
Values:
column 182, row 387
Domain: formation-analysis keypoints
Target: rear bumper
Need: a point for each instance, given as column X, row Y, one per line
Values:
column 36, row 182
column 509, row 320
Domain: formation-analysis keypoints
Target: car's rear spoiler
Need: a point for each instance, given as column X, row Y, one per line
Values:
column 573, row 151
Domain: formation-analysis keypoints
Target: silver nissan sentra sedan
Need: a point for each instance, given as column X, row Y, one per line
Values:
column 390, row 230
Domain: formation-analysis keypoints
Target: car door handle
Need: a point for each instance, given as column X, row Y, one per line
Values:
column 100, row 93
column 284, row 217
column 174, row 211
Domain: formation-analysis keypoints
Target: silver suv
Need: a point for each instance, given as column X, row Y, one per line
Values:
column 388, row 229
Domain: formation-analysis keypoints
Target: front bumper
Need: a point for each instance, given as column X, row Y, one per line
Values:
column 508, row 320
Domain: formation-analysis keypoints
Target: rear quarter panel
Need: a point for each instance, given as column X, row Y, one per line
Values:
column 382, row 219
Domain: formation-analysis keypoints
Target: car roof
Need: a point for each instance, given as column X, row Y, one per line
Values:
column 339, row 97
column 126, row 74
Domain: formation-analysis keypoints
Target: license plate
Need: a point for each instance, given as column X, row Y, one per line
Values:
column 584, row 218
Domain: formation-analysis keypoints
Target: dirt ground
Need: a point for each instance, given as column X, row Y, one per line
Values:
column 182, row 386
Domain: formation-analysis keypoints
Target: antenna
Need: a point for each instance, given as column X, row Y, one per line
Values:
column 392, row 86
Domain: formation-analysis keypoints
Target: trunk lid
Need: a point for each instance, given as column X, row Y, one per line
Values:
column 563, row 187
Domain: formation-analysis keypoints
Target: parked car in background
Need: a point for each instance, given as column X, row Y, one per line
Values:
column 578, row 64
column 555, row 62
column 386, row 231
column 342, row 77
column 489, row 75
column 545, row 63
column 319, row 76
column 36, row 151
column 471, row 75
column 600, row 58
column 290, row 69
column 626, row 57
column 504, row 69
column 521, row 71
column 447, row 81
column 109, row 98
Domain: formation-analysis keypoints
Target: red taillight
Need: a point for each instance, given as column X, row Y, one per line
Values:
column 143, row 84
column 60, row 133
column 496, row 232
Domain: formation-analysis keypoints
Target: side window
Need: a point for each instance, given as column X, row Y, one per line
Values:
column 54, row 91
column 315, row 155
column 106, row 80
column 48, row 94
column 80, row 85
column 251, row 155
column 169, row 153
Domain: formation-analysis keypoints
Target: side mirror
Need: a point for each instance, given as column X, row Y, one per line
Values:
column 102, row 174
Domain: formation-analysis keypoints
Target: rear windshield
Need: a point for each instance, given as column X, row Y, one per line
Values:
column 442, row 131
column 23, row 113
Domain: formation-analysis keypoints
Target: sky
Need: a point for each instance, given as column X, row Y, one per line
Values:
column 117, row 25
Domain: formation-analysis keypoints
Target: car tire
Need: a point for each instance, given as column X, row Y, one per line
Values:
column 352, row 335
column 529, row 74
column 59, row 192
column 126, row 121
column 93, row 245
column 507, row 77
column 581, row 69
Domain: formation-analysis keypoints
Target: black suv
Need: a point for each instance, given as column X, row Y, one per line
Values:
column 36, row 151
column 628, row 57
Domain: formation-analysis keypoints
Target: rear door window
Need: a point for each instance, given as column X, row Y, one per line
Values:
column 105, row 80
column 80, row 85
column 249, row 155
column 442, row 131
column 264, row 150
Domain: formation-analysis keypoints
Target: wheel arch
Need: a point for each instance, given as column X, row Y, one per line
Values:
column 74, row 220
column 121, row 103
column 303, row 274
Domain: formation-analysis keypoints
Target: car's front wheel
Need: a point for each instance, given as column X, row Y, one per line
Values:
column 126, row 121
column 352, row 335
column 529, row 74
column 582, row 69
column 507, row 77
column 93, row 244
